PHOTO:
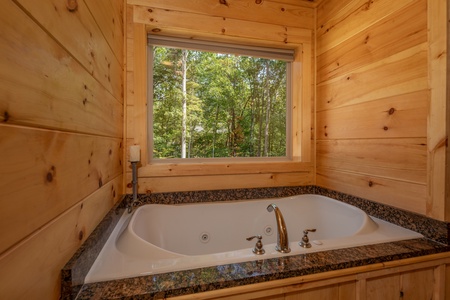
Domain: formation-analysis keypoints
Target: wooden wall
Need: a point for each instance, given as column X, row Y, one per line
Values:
column 286, row 23
column 381, row 102
column 61, row 134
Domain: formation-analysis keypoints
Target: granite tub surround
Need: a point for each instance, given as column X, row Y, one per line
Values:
column 225, row 276
column 76, row 269
column 220, row 195
column 212, row 278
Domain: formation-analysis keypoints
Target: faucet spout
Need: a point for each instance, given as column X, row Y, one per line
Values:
column 282, row 234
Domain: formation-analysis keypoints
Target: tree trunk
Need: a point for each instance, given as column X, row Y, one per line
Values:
column 184, row 56
column 268, row 104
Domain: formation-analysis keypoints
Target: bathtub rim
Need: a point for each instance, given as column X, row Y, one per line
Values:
column 75, row 270
column 135, row 266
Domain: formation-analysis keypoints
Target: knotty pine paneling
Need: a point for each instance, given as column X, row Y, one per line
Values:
column 61, row 135
column 109, row 16
column 373, row 100
column 405, row 29
column 32, row 268
column 43, row 171
column 285, row 13
column 399, row 193
column 46, row 87
column 211, row 182
column 401, row 73
column 399, row 159
column 400, row 116
column 339, row 20
column 79, row 33
column 218, row 25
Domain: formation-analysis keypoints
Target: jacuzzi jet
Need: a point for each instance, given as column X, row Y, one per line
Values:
column 268, row 230
column 204, row 237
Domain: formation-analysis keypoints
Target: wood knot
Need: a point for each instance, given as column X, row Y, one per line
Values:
column 391, row 111
column 80, row 235
column 385, row 128
column 258, row 1
column 129, row 185
column 370, row 183
column 156, row 30
column 6, row 116
column 49, row 177
column 72, row 5
column 224, row 2
column 100, row 183
column 50, row 174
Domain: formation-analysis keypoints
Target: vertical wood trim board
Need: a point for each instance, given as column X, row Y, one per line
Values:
column 438, row 205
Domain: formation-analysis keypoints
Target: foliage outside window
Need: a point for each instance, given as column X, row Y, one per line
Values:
column 213, row 104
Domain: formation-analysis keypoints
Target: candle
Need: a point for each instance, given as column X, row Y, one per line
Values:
column 135, row 153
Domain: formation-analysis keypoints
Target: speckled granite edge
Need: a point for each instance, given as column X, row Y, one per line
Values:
column 76, row 269
column 221, row 195
column 173, row 284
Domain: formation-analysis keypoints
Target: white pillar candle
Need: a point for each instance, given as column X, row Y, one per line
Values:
column 135, row 153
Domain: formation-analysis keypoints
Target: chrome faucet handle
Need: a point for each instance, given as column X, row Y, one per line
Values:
column 305, row 239
column 258, row 249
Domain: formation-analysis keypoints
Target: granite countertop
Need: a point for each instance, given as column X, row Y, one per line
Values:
column 231, row 275
column 211, row 278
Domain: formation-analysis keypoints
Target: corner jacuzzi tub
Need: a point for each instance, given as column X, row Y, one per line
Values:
column 158, row 238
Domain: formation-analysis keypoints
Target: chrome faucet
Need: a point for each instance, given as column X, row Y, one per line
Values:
column 282, row 234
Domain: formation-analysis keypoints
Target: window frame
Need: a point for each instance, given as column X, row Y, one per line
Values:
column 165, row 177
column 287, row 55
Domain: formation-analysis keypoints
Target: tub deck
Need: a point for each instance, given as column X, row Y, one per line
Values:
column 180, row 283
column 238, row 274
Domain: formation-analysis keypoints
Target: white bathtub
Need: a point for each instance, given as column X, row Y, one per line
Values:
column 164, row 238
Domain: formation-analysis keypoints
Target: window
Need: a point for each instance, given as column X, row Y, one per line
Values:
column 213, row 100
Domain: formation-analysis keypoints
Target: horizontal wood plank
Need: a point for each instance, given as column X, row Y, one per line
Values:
column 160, row 19
column 219, row 182
column 344, row 20
column 404, row 29
column 109, row 17
column 89, row 47
column 32, row 269
column 400, row 194
column 398, row 159
column 273, row 12
column 378, row 80
column 225, row 168
column 45, row 86
column 46, row 172
column 393, row 117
